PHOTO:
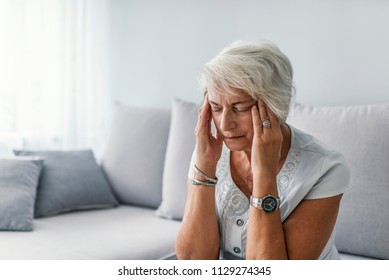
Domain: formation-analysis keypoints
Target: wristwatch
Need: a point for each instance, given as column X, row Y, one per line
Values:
column 268, row 204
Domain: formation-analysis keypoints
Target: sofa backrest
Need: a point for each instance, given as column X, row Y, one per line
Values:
column 134, row 156
column 361, row 133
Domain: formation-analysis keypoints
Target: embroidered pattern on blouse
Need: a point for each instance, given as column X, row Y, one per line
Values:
column 287, row 172
column 232, row 204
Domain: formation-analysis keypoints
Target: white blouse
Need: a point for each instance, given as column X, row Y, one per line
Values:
column 311, row 171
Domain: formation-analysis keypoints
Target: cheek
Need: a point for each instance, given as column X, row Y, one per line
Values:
column 250, row 133
column 247, row 125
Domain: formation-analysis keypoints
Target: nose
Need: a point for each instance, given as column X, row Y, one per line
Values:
column 227, row 121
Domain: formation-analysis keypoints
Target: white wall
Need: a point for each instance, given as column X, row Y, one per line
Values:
column 339, row 49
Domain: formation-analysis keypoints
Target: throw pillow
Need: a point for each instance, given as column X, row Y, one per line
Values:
column 135, row 153
column 361, row 133
column 18, row 184
column 178, row 155
column 70, row 180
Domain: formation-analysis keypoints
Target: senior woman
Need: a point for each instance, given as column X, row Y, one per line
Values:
column 258, row 188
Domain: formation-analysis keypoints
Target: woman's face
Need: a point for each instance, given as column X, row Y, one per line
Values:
column 232, row 117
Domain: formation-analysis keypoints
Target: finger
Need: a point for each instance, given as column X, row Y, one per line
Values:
column 272, row 116
column 208, row 115
column 257, row 123
column 203, row 108
column 268, row 116
column 262, row 110
column 205, row 118
column 201, row 113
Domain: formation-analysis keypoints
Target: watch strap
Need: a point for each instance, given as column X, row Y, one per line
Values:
column 255, row 202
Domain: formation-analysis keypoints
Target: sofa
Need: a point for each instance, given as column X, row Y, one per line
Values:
column 129, row 203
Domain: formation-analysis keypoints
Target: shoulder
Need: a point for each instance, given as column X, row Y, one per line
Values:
column 327, row 167
column 308, row 143
column 314, row 149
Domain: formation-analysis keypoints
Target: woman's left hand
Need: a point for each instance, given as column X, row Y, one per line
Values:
column 267, row 143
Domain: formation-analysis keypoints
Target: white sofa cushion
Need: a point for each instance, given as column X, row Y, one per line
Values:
column 178, row 154
column 134, row 157
column 361, row 133
column 125, row 232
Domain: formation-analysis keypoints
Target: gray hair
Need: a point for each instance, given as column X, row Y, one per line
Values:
column 259, row 69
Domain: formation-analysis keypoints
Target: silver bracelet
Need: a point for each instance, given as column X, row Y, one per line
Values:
column 204, row 183
column 209, row 179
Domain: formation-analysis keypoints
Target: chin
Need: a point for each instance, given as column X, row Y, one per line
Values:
column 236, row 146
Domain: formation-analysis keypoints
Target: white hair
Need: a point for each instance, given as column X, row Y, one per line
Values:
column 259, row 69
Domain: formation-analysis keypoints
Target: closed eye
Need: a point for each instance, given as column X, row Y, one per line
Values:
column 215, row 109
column 244, row 109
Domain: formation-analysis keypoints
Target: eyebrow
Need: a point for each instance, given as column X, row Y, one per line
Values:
column 233, row 104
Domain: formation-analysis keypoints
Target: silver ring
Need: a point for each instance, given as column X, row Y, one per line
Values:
column 266, row 124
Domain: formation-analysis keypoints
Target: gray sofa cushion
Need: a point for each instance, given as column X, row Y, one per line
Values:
column 178, row 154
column 70, row 180
column 134, row 157
column 361, row 133
column 18, row 184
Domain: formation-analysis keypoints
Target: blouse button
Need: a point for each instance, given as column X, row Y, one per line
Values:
column 236, row 250
column 239, row 222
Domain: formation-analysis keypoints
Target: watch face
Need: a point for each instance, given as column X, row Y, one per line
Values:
column 269, row 204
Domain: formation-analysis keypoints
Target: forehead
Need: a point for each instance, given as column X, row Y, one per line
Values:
column 230, row 97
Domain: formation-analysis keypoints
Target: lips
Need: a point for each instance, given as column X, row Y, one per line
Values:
column 231, row 138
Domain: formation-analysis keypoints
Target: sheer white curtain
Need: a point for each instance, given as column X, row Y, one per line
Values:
column 53, row 74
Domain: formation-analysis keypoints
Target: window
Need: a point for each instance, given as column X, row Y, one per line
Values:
column 53, row 63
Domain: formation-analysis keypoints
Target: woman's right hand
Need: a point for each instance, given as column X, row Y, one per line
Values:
column 198, row 237
column 209, row 147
